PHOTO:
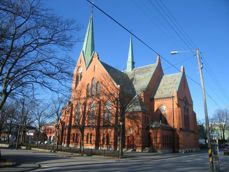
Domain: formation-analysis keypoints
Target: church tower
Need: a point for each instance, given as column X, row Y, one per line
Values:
column 130, row 61
column 88, row 45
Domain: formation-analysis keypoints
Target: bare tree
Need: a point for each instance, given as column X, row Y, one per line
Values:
column 55, row 111
column 32, row 42
column 79, row 114
column 8, row 118
column 220, row 121
column 40, row 115
column 24, row 118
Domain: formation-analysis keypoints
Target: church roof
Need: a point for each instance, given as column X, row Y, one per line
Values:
column 141, row 76
column 88, row 45
column 167, row 86
column 120, row 78
column 136, row 105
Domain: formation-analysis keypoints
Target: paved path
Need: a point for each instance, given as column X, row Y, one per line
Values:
column 58, row 162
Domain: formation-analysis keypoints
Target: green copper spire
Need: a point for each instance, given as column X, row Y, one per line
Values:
column 88, row 45
column 130, row 61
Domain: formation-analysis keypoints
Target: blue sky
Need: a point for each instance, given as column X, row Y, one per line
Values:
column 204, row 22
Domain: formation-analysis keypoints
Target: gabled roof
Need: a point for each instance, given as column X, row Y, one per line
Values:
column 120, row 78
column 168, row 85
column 88, row 45
column 136, row 105
column 141, row 76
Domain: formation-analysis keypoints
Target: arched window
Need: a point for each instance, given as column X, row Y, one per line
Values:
column 107, row 114
column 78, row 76
column 93, row 87
column 91, row 138
column 98, row 89
column 103, row 139
column 80, row 73
column 77, row 138
column 186, row 113
column 77, row 113
column 77, row 81
column 91, row 115
column 107, row 139
column 88, row 90
column 87, row 139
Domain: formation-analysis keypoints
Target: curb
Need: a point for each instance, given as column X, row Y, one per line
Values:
column 40, row 150
column 7, row 164
column 34, row 168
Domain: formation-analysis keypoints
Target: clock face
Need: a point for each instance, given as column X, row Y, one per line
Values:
column 80, row 70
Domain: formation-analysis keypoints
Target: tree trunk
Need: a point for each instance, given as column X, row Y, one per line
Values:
column 82, row 142
column 18, row 135
column 3, row 100
column 223, row 131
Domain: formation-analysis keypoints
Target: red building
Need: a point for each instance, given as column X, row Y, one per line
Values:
column 144, row 107
column 49, row 130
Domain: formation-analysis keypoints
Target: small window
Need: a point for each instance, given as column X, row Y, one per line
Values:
column 77, row 81
column 87, row 139
column 93, row 87
column 88, row 90
column 78, row 76
column 91, row 138
column 98, row 89
column 103, row 139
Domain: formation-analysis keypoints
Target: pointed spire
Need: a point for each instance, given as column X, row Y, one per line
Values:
column 158, row 59
column 88, row 45
column 130, row 61
column 182, row 69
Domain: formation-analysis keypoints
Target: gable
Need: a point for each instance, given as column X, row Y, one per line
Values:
column 168, row 85
column 183, row 90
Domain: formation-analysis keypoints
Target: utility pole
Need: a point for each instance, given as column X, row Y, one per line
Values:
column 211, row 169
column 213, row 156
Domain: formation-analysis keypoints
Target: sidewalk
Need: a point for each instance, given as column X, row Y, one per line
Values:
column 21, row 167
column 14, row 163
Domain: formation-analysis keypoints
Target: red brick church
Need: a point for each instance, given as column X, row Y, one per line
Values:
column 139, row 108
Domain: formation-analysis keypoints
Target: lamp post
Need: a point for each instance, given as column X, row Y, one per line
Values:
column 211, row 169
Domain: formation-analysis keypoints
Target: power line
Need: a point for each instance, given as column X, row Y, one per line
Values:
column 186, row 37
column 148, row 46
column 167, row 19
column 214, row 79
column 174, row 21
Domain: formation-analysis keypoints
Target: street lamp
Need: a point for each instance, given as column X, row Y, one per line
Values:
column 205, row 103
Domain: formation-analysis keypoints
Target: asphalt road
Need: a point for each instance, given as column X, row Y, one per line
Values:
column 28, row 161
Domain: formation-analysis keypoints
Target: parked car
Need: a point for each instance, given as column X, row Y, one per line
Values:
column 226, row 150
